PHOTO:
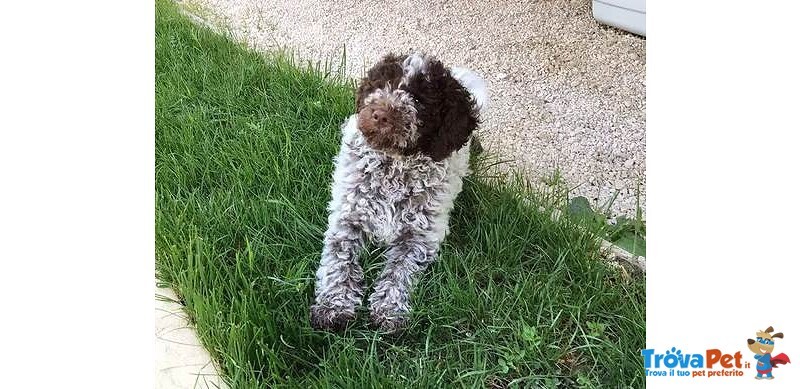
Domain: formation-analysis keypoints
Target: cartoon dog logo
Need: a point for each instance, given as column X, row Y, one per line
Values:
column 762, row 347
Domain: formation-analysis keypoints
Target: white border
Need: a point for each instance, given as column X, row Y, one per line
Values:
column 722, row 157
column 77, row 194
column 77, row 198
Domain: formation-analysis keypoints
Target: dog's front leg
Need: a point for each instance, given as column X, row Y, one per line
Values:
column 340, row 280
column 406, row 258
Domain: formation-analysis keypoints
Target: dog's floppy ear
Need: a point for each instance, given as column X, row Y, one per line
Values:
column 451, row 113
column 778, row 335
column 458, row 123
column 387, row 72
column 769, row 329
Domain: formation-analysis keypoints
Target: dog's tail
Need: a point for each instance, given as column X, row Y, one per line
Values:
column 475, row 85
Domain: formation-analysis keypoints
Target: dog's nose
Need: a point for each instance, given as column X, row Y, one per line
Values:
column 380, row 116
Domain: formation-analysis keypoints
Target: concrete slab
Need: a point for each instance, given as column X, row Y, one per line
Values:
column 181, row 360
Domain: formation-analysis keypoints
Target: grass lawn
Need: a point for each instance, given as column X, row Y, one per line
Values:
column 244, row 147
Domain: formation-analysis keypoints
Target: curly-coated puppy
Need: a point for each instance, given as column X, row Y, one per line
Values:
column 399, row 169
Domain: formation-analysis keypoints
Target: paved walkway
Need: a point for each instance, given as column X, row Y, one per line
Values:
column 181, row 360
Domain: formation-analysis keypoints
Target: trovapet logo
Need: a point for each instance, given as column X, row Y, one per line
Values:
column 674, row 362
column 711, row 363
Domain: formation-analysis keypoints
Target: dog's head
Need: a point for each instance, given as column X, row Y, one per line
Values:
column 413, row 104
column 764, row 342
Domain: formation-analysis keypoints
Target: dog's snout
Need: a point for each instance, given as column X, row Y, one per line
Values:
column 380, row 116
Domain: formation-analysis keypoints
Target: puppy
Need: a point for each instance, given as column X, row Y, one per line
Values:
column 400, row 167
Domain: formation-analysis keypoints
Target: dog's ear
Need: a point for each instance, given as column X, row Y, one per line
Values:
column 458, row 123
column 778, row 335
column 387, row 72
column 448, row 112
column 769, row 329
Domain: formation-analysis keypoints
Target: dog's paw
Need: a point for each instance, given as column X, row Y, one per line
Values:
column 389, row 322
column 331, row 318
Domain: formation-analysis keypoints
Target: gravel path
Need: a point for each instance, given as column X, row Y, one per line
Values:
column 566, row 92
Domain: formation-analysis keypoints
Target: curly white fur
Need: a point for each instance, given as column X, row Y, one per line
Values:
column 402, row 202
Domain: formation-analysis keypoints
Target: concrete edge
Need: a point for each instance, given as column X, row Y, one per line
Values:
column 181, row 359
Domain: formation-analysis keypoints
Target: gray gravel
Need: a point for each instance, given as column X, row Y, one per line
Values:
column 566, row 92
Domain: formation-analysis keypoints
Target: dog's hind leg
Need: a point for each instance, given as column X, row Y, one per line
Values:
column 340, row 280
column 406, row 258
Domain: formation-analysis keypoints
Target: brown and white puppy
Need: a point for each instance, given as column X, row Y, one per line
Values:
column 400, row 167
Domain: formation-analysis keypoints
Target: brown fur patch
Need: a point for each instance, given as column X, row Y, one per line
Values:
column 388, row 71
column 446, row 111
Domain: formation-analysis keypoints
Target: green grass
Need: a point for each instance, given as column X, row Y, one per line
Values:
column 244, row 147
